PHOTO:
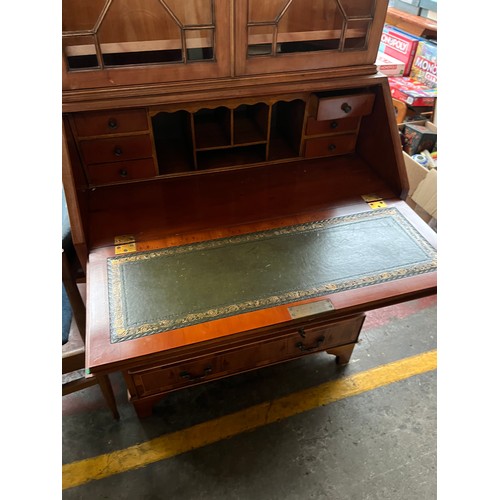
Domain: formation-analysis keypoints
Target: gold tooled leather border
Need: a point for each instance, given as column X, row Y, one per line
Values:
column 121, row 331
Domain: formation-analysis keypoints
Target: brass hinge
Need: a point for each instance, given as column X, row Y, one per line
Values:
column 374, row 200
column 125, row 244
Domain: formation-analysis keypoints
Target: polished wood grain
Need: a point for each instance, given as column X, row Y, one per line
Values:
column 331, row 108
column 180, row 153
column 215, row 199
column 339, row 144
column 110, row 122
column 416, row 25
column 106, row 356
column 150, row 28
column 296, row 24
column 116, row 149
column 152, row 382
column 328, row 127
column 104, row 173
column 72, row 178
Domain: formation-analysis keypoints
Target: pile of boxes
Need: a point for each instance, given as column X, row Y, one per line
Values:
column 410, row 62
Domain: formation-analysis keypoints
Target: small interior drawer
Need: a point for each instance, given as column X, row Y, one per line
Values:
column 103, row 173
column 330, row 146
column 330, row 108
column 319, row 338
column 116, row 149
column 110, row 122
column 315, row 127
column 156, row 380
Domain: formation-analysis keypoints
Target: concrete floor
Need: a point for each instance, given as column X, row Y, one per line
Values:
column 380, row 444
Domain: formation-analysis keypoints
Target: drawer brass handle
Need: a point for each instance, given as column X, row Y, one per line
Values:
column 303, row 348
column 331, row 147
column 345, row 108
column 193, row 378
column 112, row 123
column 123, row 173
column 334, row 125
column 118, row 151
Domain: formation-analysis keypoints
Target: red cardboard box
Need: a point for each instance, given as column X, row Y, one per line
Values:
column 400, row 45
column 389, row 66
column 412, row 92
column 424, row 67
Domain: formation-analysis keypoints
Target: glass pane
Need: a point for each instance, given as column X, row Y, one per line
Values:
column 200, row 44
column 260, row 40
column 356, row 34
column 310, row 25
column 139, row 32
column 192, row 12
column 79, row 15
column 80, row 52
column 268, row 11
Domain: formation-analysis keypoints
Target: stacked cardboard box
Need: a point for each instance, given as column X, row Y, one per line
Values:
column 417, row 86
column 424, row 66
column 389, row 66
column 399, row 45
column 412, row 92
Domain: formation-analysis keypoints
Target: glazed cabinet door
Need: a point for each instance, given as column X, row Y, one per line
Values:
column 122, row 42
column 294, row 35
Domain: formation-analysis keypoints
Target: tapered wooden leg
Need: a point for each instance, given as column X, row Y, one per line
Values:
column 109, row 396
column 343, row 353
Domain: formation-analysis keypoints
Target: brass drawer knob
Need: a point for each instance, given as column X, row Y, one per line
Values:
column 123, row 173
column 112, row 123
column 346, row 108
column 331, row 147
column 334, row 125
column 118, row 151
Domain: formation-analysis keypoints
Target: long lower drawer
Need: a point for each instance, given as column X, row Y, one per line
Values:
column 297, row 342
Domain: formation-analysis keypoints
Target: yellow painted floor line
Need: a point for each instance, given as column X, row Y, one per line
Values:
column 170, row 445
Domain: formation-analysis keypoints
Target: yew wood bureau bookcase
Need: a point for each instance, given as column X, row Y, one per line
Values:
column 234, row 180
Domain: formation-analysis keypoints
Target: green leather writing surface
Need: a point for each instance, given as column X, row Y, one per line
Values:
column 157, row 291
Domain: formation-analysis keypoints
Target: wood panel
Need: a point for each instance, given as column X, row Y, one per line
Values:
column 104, row 173
column 143, row 23
column 110, row 122
column 318, row 127
column 215, row 335
column 339, row 144
column 116, row 149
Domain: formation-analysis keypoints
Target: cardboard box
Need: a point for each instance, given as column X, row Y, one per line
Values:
column 400, row 45
column 412, row 92
column 405, row 6
column 428, row 4
column 425, row 195
column 422, row 192
column 424, row 67
column 389, row 66
column 428, row 14
column 417, row 138
column 416, row 173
